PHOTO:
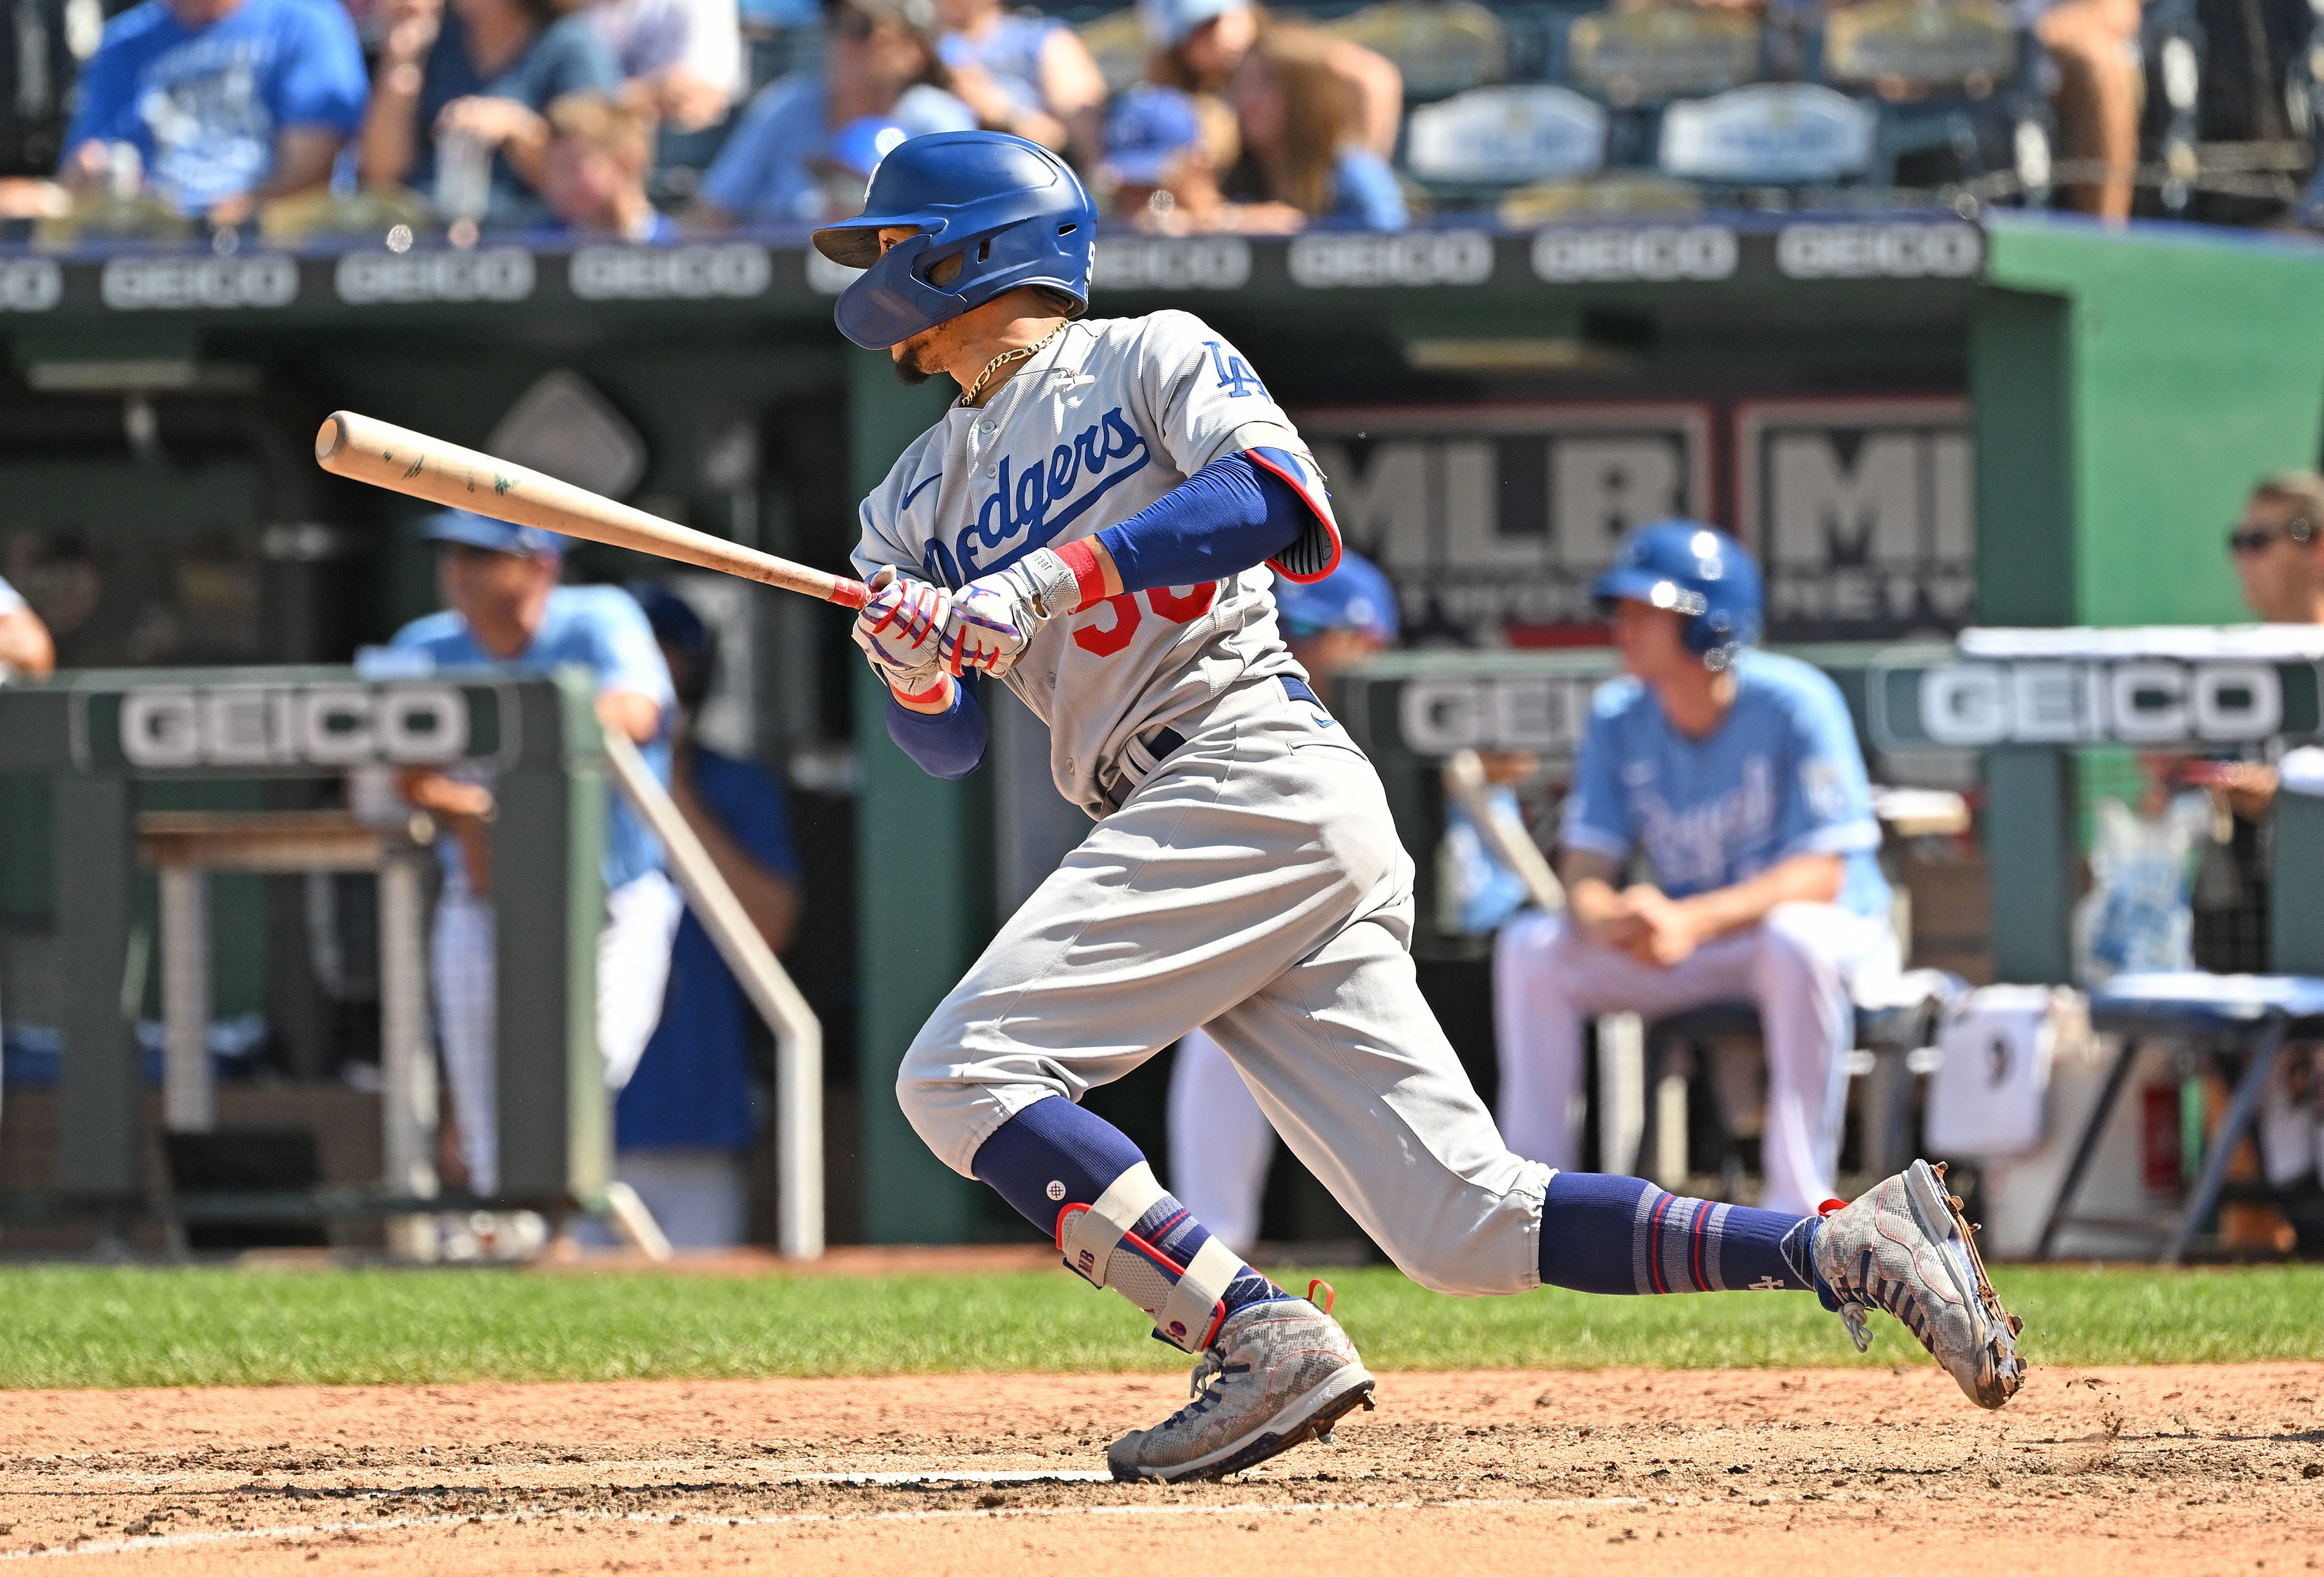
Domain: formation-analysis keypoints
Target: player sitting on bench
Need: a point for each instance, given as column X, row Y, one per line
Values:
column 1737, row 774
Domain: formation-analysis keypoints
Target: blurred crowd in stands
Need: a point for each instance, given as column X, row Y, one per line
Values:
column 653, row 119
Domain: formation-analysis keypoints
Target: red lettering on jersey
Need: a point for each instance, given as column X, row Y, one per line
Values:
column 1183, row 610
column 1106, row 643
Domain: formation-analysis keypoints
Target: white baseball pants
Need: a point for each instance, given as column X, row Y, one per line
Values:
column 1220, row 1143
column 633, row 970
column 1253, row 884
column 1549, row 982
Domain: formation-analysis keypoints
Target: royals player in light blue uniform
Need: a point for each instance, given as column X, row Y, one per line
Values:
column 507, row 612
column 1087, row 525
column 1737, row 773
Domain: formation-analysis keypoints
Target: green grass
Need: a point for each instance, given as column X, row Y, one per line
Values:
column 74, row 1326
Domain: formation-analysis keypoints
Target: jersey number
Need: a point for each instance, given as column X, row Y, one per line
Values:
column 1164, row 600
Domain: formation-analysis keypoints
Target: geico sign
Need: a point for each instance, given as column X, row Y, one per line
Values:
column 658, row 273
column 2145, row 701
column 1452, row 257
column 260, row 726
column 1536, row 713
column 1218, row 262
column 137, row 284
column 504, row 273
column 1658, row 251
column 31, row 285
column 1945, row 250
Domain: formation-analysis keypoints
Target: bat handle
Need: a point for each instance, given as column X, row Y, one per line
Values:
column 849, row 594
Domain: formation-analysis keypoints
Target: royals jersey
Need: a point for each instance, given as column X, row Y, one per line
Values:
column 1111, row 416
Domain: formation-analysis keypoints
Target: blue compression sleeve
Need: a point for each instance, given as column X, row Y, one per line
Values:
column 1224, row 519
column 946, row 744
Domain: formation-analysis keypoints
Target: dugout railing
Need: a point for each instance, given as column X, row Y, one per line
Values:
column 102, row 737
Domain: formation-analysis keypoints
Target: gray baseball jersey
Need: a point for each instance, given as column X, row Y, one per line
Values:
column 1114, row 414
column 1251, row 881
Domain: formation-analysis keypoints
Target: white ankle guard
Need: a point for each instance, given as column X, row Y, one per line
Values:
column 1098, row 1244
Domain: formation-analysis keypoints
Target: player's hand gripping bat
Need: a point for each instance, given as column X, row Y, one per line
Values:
column 1504, row 835
column 394, row 457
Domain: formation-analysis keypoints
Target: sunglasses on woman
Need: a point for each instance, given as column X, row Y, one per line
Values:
column 2243, row 539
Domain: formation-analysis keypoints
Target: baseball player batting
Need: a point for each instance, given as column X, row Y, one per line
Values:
column 1087, row 525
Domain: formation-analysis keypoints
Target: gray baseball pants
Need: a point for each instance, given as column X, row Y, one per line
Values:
column 1253, row 884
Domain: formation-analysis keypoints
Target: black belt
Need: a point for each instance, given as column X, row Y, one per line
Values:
column 1164, row 741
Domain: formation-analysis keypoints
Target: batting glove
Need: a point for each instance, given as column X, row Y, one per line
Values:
column 900, row 629
column 994, row 618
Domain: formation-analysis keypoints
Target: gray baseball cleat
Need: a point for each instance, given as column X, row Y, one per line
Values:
column 1277, row 1374
column 1906, row 1248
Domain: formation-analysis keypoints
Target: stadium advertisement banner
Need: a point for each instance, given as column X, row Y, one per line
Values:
column 2146, row 702
column 1494, row 519
column 776, row 270
column 238, row 728
column 1863, row 514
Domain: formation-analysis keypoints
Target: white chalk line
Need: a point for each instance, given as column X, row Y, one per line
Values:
column 94, row 1476
column 393, row 1523
column 972, row 1476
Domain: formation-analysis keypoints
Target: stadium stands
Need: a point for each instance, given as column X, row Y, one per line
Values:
column 1535, row 109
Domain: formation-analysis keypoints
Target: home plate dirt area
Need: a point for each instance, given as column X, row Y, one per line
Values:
column 2161, row 1470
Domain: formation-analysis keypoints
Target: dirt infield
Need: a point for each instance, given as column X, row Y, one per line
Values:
column 2116, row 1470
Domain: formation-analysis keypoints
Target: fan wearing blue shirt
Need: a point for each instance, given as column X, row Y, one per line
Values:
column 682, row 1129
column 229, row 103
column 880, row 66
column 1736, row 774
column 508, row 613
column 484, row 72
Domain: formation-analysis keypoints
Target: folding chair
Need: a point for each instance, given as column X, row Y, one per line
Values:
column 2229, row 1017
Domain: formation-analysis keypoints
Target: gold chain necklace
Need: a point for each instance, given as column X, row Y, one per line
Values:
column 1003, row 359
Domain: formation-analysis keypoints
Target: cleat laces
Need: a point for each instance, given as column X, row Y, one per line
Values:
column 1207, row 1384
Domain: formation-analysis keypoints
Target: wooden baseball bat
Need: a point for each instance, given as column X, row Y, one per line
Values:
column 395, row 457
column 1504, row 835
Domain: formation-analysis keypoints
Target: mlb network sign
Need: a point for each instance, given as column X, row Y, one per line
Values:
column 1493, row 520
column 1863, row 514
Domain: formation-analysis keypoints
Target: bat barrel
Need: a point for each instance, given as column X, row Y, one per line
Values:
column 367, row 449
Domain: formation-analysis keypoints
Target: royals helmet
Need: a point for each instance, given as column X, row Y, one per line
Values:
column 1354, row 597
column 1692, row 569
column 1012, row 212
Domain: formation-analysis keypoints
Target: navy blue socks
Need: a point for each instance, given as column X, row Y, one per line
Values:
column 1601, row 1234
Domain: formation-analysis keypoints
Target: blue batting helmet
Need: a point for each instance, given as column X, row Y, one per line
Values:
column 475, row 531
column 1012, row 212
column 1355, row 596
column 1693, row 569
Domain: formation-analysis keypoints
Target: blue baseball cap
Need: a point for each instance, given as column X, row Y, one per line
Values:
column 858, row 146
column 675, row 622
column 475, row 531
column 1354, row 597
column 1150, row 126
column 1169, row 21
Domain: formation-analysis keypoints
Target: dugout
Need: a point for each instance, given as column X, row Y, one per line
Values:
column 1917, row 418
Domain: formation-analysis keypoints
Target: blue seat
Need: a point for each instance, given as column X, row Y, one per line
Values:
column 2232, row 1018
